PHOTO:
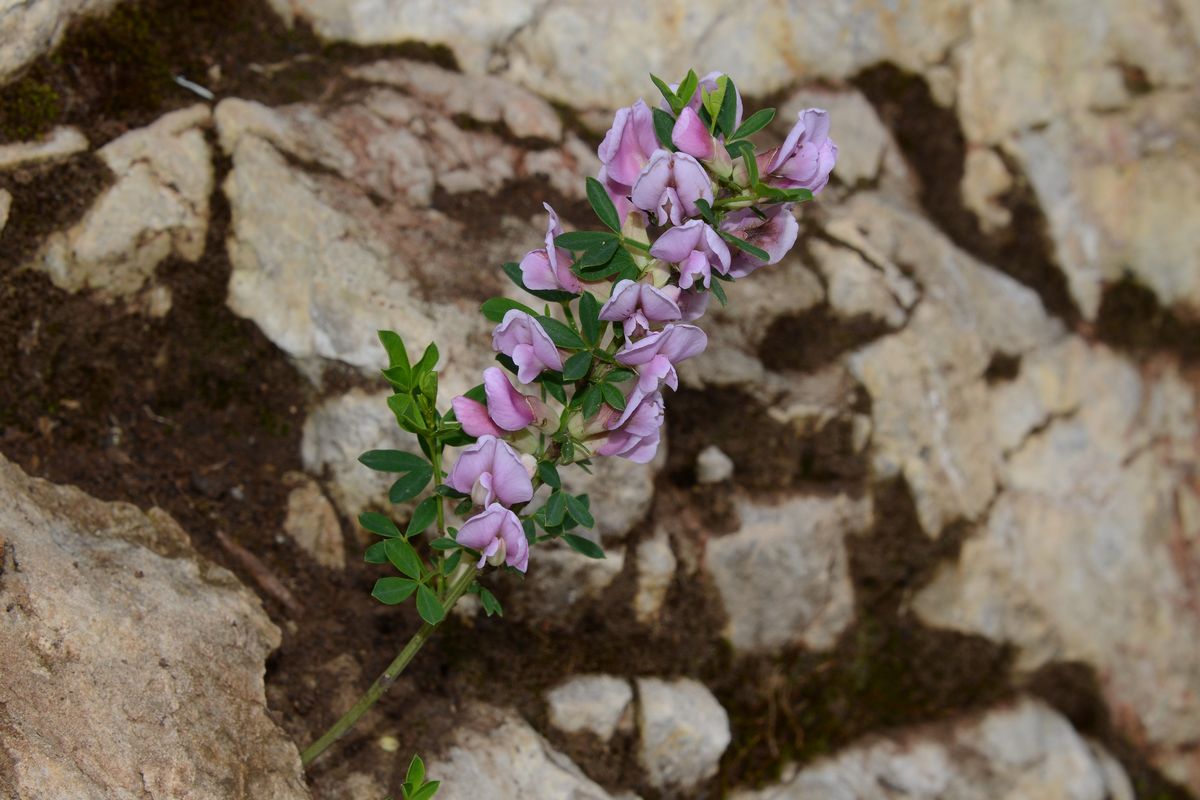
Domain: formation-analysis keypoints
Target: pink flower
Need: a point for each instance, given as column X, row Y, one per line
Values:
column 637, row 305
column 474, row 417
column 806, row 157
column 497, row 534
column 669, row 186
column 709, row 82
column 549, row 267
column 691, row 135
column 522, row 338
column 628, row 144
column 692, row 303
column 655, row 356
column 507, row 407
column 696, row 248
column 776, row 234
column 491, row 471
column 636, row 435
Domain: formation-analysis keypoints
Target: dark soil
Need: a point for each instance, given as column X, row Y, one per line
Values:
column 200, row 414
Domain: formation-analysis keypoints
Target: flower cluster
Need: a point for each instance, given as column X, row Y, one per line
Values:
column 688, row 204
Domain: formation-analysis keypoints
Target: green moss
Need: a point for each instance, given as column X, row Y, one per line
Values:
column 28, row 109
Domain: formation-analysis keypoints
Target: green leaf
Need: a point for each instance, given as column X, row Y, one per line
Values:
column 416, row 771
column 743, row 245
column 554, row 388
column 392, row 461
column 719, row 293
column 589, row 317
column 451, row 563
column 444, row 543
column 394, row 345
column 556, row 508
column 798, row 195
column 428, row 606
column 391, row 591
column 619, row 376
column 602, row 204
column 449, row 491
column 513, row 270
column 687, row 88
column 612, row 395
column 706, row 211
column 406, row 413
column 583, row 240
column 560, row 334
column 591, row 402
column 596, row 256
column 664, row 126
column 754, row 123
column 577, row 366
column 663, row 87
column 579, row 511
column 378, row 523
column 410, row 485
column 429, row 385
column 376, row 554
column 497, row 307
column 423, row 516
column 478, row 393
column 426, row 792
column 464, row 507
column 568, row 451
column 728, row 113
column 399, row 377
column 549, row 474
column 582, row 545
column 490, row 604
column 428, row 360
column 621, row 263
column 404, row 558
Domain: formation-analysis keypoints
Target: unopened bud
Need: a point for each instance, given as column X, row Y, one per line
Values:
column 497, row 558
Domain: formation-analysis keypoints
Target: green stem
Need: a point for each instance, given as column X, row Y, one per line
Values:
column 384, row 682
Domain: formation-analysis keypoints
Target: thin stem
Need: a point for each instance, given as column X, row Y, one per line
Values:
column 384, row 682
column 436, row 450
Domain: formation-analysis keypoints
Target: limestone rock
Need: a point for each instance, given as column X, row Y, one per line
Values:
column 5, row 207
column 684, row 731
column 620, row 491
column 985, row 180
column 561, row 582
column 783, row 577
column 133, row 666
column 594, row 704
column 313, row 524
column 1023, row 750
column 858, row 288
column 656, row 565
column 157, row 207
column 62, row 142
column 1087, row 553
column 713, row 466
column 495, row 754
column 29, row 28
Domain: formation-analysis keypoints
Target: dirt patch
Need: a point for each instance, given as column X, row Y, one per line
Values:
column 810, row 340
column 47, row 198
column 1132, row 319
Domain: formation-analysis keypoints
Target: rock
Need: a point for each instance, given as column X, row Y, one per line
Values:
column 313, row 524
column 857, row 288
column 561, row 582
column 656, row 565
column 1022, row 750
column 31, row 28
column 783, row 577
column 156, row 208
column 985, row 180
column 594, row 704
column 495, row 754
column 133, row 666
column 1099, row 463
column 620, row 491
column 713, row 466
column 5, row 206
column 341, row 429
column 684, row 731
column 61, row 143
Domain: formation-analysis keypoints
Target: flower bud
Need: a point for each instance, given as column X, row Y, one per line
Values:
column 497, row 557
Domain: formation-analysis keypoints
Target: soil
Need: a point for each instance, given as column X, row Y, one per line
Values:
column 198, row 413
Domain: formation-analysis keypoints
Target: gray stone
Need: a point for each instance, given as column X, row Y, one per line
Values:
column 495, row 754
column 656, row 565
column 313, row 524
column 1024, row 750
column 61, row 143
column 684, row 731
column 5, row 207
column 857, row 288
column 783, row 576
column 595, row 704
column 620, row 491
column 713, row 466
column 133, row 666
column 985, row 181
column 30, row 28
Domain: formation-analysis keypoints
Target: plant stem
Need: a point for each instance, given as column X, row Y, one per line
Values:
column 384, row 682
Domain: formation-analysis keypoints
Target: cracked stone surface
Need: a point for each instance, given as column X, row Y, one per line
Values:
column 684, row 731
column 157, row 207
column 29, row 28
column 595, row 704
column 1022, row 750
column 1089, row 553
column 133, row 666
column 60, row 143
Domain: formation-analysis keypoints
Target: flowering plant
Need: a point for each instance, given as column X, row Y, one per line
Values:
column 687, row 204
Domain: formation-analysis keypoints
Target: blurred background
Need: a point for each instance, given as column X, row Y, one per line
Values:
column 926, row 523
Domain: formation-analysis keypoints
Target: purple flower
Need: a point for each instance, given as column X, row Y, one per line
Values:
column 696, row 248
column 669, row 186
column 691, row 135
column 474, row 417
column 628, row 144
column 806, row 157
column 522, row 338
column 506, row 407
column 692, row 303
column 776, row 234
column 655, row 356
column 708, row 82
column 637, row 305
column 497, row 534
column 550, row 266
column 491, row 471
column 636, row 435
